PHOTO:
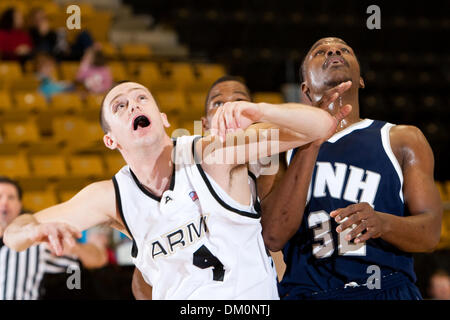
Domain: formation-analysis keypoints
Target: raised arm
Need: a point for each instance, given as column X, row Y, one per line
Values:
column 419, row 232
column 244, row 131
column 59, row 224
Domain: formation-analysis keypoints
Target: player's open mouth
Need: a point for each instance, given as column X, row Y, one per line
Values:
column 335, row 60
column 140, row 122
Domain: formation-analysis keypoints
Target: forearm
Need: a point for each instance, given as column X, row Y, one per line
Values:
column 18, row 235
column 90, row 255
column 313, row 123
column 282, row 218
column 418, row 233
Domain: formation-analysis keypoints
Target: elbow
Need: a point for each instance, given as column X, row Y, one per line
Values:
column 275, row 242
column 432, row 244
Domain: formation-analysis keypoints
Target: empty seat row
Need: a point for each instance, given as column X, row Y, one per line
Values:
column 60, row 166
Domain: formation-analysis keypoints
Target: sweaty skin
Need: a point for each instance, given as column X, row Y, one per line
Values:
column 329, row 62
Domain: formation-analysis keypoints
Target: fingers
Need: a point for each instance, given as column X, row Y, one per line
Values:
column 56, row 245
column 57, row 235
column 328, row 99
column 356, row 231
column 366, row 236
column 340, row 214
column 332, row 94
column 343, row 112
column 344, row 86
column 350, row 221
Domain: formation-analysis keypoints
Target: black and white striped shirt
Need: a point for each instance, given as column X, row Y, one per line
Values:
column 21, row 272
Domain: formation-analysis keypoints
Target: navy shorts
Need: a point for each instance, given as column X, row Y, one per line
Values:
column 395, row 286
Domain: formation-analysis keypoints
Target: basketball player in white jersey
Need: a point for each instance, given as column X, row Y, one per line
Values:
column 189, row 243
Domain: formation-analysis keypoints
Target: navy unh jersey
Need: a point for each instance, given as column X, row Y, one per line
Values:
column 355, row 165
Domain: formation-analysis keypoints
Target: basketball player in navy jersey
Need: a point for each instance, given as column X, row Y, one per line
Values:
column 372, row 199
column 188, row 242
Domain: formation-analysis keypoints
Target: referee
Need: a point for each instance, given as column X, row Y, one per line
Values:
column 21, row 273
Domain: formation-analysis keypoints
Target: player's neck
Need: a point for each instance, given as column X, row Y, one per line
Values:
column 154, row 169
column 352, row 99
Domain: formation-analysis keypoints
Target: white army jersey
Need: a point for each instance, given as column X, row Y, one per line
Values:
column 190, row 243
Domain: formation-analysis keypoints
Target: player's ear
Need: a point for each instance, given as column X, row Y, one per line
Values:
column 205, row 124
column 305, row 93
column 164, row 120
column 361, row 83
column 110, row 141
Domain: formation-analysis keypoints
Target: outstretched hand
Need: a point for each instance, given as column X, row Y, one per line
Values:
column 58, row 236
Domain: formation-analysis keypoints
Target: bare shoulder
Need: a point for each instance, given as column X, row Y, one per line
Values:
column 409, row 145
column 407, row 134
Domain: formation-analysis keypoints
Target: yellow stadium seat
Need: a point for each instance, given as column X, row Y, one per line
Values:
column 30, row 100
column 93, row 132
column 442, row 190
column 38, row 200
column 49, row 7
column 86, row 166
column 68, row 128
column 182, row 74
column 135, row 51
column 5, row 101
column 5, row 4
column 99, row 25
column 94, row 101
column 109, row 50
column 114, row 162
column 118, row 71
column 67, row 187
column 66, row 102
column 197, row 100
column 269, row 97
column 14, row 166
column 208, row 73
column 28, row 82
column 68, row 70
column 10, row 70
column 447, row 191
column 151, row 75
column 21, row 132
column 48, row 166
column 171, row 101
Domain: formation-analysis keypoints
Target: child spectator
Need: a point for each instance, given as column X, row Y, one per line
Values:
column 45, row 71
column 93, row 72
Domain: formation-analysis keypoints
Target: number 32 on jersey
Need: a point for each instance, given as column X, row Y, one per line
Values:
column 324, row 246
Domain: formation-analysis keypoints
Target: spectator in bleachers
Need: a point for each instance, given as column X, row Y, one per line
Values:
column 15, row 43
column 439, row 286
column 83, row 42
column 45, row 71
column 45, row 39
column 93, row 73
